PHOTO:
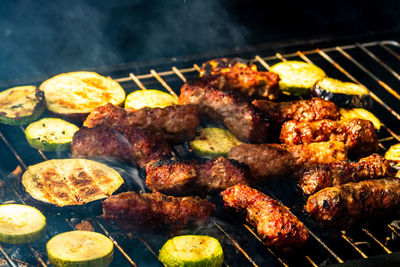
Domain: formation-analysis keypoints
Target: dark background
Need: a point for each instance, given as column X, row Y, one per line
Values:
column 42, row 38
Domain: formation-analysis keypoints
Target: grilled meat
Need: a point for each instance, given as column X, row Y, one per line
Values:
column 127, row 143
column 267, row 161
column 359, row 136
column 192, row 176
column 239, row 116
column 234, row 75
column 337, row 173
column 353, row 203
column 276, row 226
column 174, row 123
column 130, row 210
column 300, row 110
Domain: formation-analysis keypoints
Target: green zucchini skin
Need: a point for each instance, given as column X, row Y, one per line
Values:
column 344, row 100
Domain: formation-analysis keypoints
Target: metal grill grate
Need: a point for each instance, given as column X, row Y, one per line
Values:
column 369, row 64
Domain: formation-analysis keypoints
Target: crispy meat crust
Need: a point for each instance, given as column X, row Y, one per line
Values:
column 192, row 176
column 359, row 136
column 127, row 143
column 130, row 210
column 354, row 203
column 234, row 75
column 337, row 173
column 267, row 161
column 176, row 123
column 300, row 110
column 239, row 116
column 276, row 226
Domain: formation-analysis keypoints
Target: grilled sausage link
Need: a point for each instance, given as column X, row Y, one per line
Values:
column 277, row 227
column 176, row 123
column 232, row 74
column 192, row 176
column 354, row 203
column 267, row 161
column 239, row 116
column 358, row 135
column 300, row 110
column 337, row 173
column 130, row 210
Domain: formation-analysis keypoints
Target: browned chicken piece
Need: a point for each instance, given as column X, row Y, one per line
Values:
column 130, row 210
column 174, row 123
column 359, row 136
column 239, row 116
column 354, row 203
column 193, row 176
column 276, row 226
column 127, row 143
column 268, row 161
column 300, row 110
column 233, row 74
column 337, row 173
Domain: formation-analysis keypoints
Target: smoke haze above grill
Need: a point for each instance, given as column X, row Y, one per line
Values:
column 41, row 38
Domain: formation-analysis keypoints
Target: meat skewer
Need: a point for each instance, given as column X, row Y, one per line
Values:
column 337, row 173
column 239, row 116
column 130, row 210
column 268, row 161
column 300, row 110
column 354, row 203
column 359, row 136
column 232, row 74
column 192, row 176
column 134, row 145
column 276, row 226
column 176, row 123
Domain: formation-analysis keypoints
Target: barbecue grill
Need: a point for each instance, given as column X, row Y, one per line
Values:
column 372, row 64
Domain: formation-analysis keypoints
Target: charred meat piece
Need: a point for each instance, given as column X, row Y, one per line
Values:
column 174, row 123
column 354, row 203
column 300, row 110
column 359, row 136
column 192, row 176
column 337, row 173
column 267, row 161
column 276, row 226
column 130, row 210
column 239, row 116
column 233, row 74
column 127, row 143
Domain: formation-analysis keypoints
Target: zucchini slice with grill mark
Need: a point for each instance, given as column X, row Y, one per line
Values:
column 21, row 224
column 76, row 94
column 64, row 182
column 343, row 94
column 21, row 105
column 192, row 250
column 149, row 98
column 360, row 113
column 50, row 134
column 213, row 142
column 297, row 77
column 80, row 248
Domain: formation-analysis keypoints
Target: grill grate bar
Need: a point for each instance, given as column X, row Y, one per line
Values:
column 179, row 73
column 163, row 83
column 311, row 261
column 347, row 239
column 394, row 230
column 137, row 81
column 8, row 258
column 384, row 46
column 262, row 62
column 376, row 240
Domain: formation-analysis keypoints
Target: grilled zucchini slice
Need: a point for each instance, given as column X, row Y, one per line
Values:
column 50, row 134
column 21, row 224
column 213, row 142
column 393, row 153
column 360, row 113
column 65, row 182
column 76, row 94
column 297, row 77
column 192, row 250
column 343, row 94
column 21, row 105
column 80, row 248
column 149, row 98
